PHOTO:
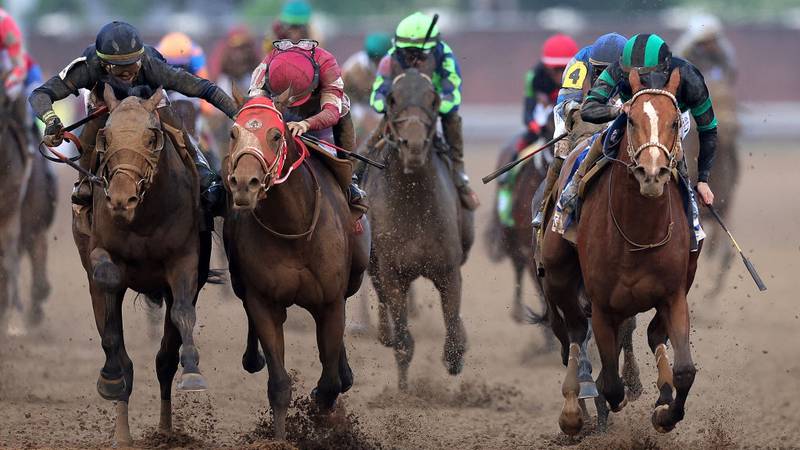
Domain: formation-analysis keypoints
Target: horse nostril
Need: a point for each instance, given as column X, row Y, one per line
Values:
column 232, row 180
column 133, row 201
column 254, row 183
column 663, row 173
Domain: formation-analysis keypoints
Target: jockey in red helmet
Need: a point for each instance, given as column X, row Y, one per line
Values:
column 317, row 104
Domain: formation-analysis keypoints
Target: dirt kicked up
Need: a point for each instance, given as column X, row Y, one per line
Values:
column 509, row 395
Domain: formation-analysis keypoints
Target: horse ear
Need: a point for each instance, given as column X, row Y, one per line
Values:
column 109, row 98
column 674, row 81
column 238, row 98
column 635, row 81
column 100, row 141
column 283, row 100
column 152, row 103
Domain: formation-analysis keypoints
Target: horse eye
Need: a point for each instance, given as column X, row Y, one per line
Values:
column 276, row 137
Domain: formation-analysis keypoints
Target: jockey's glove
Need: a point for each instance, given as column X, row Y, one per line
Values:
column 54, row 131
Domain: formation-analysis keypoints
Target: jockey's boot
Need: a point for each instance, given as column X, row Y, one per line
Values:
column 358, row 198
column 451, row 127
column 569, row 197
column 212, row 192
column 552, row 176
column 344, row 135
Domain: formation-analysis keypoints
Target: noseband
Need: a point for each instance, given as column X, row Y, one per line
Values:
column 143, row 178
column 672, row 152
column 392, row 137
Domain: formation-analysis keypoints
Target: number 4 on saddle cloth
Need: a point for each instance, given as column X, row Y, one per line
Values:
column 568, row 210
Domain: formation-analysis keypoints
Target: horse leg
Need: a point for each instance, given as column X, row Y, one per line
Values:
column 677, row 320
column 166, row 366
column 182, row 279
column 268, row 323
column 606, row 332
column 36, row 247
column 345, row 372
column 252, row 359
column 9, row 265
column 657, row 340
column 517, row 309
column 330, row 342
column 455, row 344
column 630, row 370
column 122, row 431
column 394, row 295
column 384, row 326
column 571, row 419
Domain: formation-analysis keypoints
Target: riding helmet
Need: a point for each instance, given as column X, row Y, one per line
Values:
column 558, row 50
column 377, row 44
column 119, row 43
column 412, row 30
column 296, row 13
column 646, row 51
column 607, row 49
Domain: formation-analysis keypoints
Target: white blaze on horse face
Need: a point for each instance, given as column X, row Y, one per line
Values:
column 652, row 114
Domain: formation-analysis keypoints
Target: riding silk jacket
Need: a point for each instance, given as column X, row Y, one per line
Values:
column 446, row 80
column 11, row 44
column 87, row 72
column 692, row 96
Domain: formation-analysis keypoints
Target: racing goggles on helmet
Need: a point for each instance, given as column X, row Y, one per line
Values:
column 303, row 44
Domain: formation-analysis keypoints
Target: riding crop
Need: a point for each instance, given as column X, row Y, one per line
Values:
column 747, row 263
column 347, row 153
column 512, row 164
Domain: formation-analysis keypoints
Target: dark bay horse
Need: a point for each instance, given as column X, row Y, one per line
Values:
column 418, row 226
column 16, row 163
column 727, row 172
column 291, row 239
column 145, row 235
column 633, row 255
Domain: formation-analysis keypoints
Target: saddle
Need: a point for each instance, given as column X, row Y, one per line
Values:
column 342, row 169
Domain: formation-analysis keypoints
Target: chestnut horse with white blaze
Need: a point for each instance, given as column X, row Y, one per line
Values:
column 633, row 253
column 291, row 239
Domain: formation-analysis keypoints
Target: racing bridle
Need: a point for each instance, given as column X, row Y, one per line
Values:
column 392, row 137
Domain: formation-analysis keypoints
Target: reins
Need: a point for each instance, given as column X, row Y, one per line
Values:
column 391, row 136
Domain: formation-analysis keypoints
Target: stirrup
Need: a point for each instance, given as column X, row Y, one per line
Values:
column 538, row 220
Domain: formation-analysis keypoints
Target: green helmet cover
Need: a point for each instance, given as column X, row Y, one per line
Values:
column 377, row 44
column 296, row 12
column 411, row 32
column 645, row 51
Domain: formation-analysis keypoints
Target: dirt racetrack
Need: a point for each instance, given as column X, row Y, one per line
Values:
column 746, row 394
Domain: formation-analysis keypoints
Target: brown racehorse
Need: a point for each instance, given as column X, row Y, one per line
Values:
column 16, row 163
column 145, row 236
column 633, row 256
column 419, row 227
column 290, row 239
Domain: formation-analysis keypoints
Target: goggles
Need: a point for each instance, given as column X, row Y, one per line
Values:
column 303, row 44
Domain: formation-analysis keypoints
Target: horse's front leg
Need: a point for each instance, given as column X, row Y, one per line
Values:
column 676, row 315
column 329, row 319
column 182, row 279
column 630, row 370
column 40, row 286
column 455, row 344
column 606, row 333
column 9, row 265
column 392, row 291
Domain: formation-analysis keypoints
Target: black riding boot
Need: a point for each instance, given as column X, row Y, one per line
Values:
column 344, row 135
column 451, row 128
column 212, row 192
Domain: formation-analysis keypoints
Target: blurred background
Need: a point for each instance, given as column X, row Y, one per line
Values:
column 496, row 41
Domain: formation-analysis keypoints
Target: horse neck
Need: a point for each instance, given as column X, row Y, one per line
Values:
column 293, row 201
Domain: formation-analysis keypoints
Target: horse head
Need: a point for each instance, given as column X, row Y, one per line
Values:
column 129, row 147
column 412, row 107
column 653, row 132
column 258, row 150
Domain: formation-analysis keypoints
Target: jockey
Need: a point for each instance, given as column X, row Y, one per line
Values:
column 651, row 57
column 118, row 58
column 180, row 51
column 541, row 86
column 234, row 59
column 359, row 70
column 581, row 72
column 11, row 46
column 318, row 104
column 411, row 49
column 704, row 45
column 293, row 23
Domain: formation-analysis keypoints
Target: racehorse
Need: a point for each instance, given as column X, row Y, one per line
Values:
column 145, row 235
column 633, row 255
column 727, row 171
column 418, row 226
column 16, row 161
column 291, row 239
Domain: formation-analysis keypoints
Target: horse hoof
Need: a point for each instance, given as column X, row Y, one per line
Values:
column 588, row 389
column 661, row 417
column 253, row 364
column 41, row 291
column 324, row 405
column 455, row 367
column 35, row 316
column 111, row 389
column 192, row 382
column 621, row 405
column 571, row 419
column 107, row 275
